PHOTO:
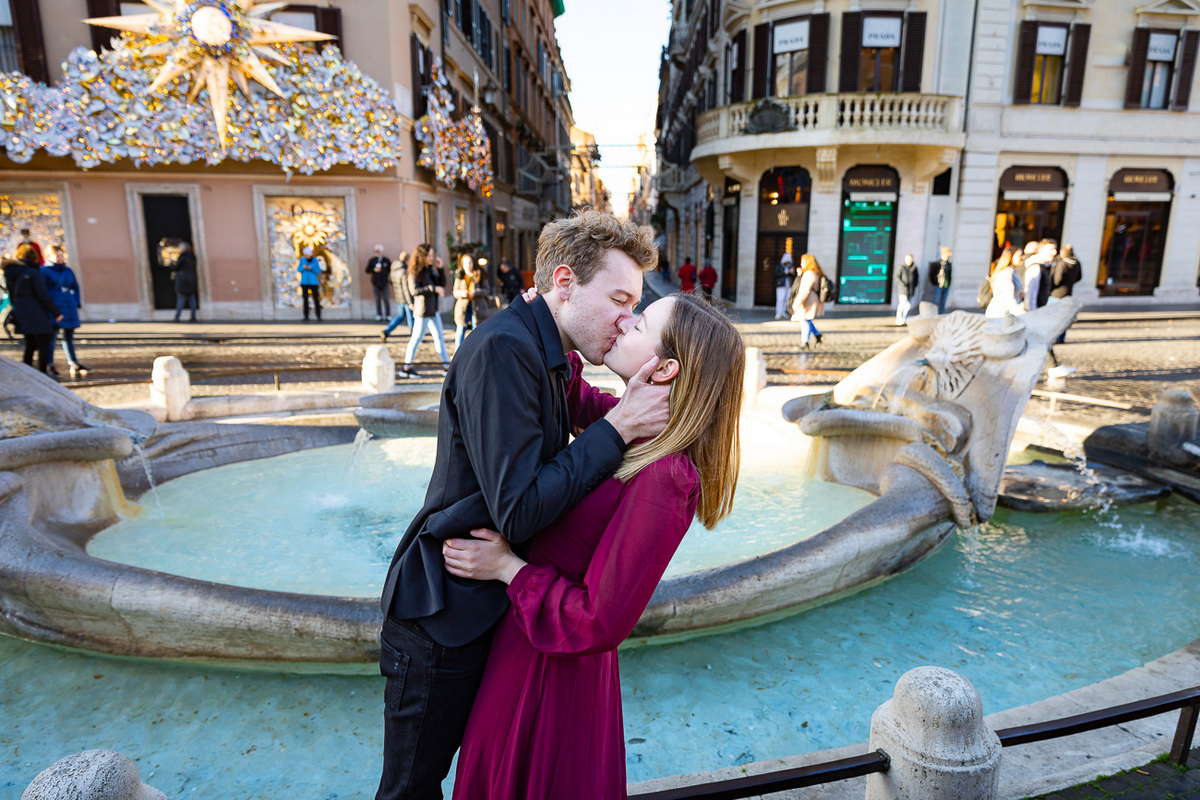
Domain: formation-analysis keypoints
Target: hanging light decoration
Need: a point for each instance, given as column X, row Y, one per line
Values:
column 454, row 150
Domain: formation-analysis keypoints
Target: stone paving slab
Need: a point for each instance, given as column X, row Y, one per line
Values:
column 1157, row 780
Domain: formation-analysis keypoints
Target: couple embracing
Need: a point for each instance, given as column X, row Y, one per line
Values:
column 536, row 553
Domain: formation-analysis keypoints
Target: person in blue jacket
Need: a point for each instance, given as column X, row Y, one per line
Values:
column 64, row 291
column 310, row 269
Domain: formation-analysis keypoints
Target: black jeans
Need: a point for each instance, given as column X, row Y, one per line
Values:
column 383, row 303
column 43, row 345
column 426, row 702
column 315, row 293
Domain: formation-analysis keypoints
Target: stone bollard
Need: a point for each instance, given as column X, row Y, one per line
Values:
column 378, row 370
column 170, row 387
column 754, row 380
column 1173, row 421
column 91, row 775
column 934, row 733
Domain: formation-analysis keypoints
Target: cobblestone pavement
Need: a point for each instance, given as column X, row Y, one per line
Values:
column 1125, row 358
column 1157, row 780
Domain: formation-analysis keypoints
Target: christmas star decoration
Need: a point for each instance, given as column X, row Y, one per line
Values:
column 215, row 41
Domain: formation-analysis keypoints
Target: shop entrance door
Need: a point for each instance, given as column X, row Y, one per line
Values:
column 729, row 249
column 1135, row 235
column 783, row 203
column 167, row 217
column 870, row 195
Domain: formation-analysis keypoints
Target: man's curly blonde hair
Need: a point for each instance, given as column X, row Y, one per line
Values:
column 581, row 240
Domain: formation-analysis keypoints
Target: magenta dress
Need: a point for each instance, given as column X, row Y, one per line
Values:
column 547, row 719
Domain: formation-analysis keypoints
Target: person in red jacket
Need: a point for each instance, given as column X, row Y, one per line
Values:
column 708, row 280
column 687, row 276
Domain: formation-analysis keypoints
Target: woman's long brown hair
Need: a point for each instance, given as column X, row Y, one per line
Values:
column 706, row 402
column 419, row 259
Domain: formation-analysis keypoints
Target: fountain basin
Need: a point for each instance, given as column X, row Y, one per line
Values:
column 56, row 591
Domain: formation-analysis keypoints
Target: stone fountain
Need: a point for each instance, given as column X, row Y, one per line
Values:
column 925, row 425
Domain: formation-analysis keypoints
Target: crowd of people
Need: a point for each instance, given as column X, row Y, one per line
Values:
column 418, row 281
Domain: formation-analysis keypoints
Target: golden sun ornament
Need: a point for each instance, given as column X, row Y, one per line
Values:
column 215, row 40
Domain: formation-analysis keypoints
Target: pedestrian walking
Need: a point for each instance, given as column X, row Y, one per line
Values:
column 785, row 274
column 1066, row 273
column 708, row 280
column 811, row 285
column 1038, row 273
column 427, row 283
column 379, row 270
column 183, row 274
column 309, row 268
column 1002, row 291
column 32, row 308
column 907, row 277
column 511, row 284
column 687, row 276
column 467, row 295
column 398, row 277
column 27, row 239
column 64, row 292
column 941, row 273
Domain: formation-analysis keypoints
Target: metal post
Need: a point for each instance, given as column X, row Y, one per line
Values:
column 1184, row 731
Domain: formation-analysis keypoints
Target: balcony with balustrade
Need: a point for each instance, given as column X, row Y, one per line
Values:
column 831, row 120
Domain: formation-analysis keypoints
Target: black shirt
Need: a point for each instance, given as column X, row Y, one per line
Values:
column 503, row 462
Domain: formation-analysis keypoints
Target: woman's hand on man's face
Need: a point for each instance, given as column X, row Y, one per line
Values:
column 487, row 557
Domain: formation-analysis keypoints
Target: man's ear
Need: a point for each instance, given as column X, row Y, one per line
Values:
column 665, row 372
column 563, row 281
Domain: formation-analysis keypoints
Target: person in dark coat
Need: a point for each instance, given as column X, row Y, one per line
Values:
column 510, row 281
column 32, row 308
column 379, row 268
column 64, row 291
column 183, row 272
column 941, row 273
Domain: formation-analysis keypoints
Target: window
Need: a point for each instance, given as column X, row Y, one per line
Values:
column 1049, row 57
column 737, row 68
column 790, row 47
column 21, row 38
column 1160, row 64
column 879, row 59
column 312, row 18
column 10, row 55
column 429, row 213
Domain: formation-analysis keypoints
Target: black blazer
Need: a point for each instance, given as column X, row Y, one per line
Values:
column 503, row 462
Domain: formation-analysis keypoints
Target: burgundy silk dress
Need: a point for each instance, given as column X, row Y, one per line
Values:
column 547, row 719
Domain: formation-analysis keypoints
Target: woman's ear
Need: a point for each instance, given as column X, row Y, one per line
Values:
column 665, row 372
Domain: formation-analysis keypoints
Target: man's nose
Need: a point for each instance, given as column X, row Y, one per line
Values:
column 625, row 322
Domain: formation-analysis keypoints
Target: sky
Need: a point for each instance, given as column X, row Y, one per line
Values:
column 611, row 50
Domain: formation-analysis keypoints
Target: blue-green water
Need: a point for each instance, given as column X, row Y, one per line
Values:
column 1028, row 607
column 339, row 514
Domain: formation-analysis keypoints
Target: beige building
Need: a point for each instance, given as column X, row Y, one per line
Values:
column 587, row 189
column 861, row 131
column 641, row 204
column 498, row 54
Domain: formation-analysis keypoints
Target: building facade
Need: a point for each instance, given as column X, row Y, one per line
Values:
column 861, row 131
column 499, row 56
column 587, row 189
